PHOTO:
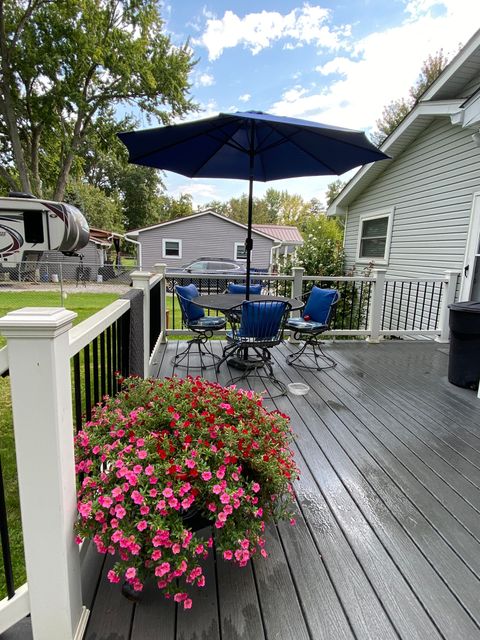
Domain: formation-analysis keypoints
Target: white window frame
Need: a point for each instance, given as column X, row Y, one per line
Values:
column 385, row 213
column 164, row 246
column 238, row 244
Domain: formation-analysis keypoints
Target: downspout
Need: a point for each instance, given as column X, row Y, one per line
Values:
column 272, row 249
column 139, row 250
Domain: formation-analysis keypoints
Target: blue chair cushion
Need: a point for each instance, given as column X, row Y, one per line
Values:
column 301, row 325
column 187, row 293
column 261, row 319
column 319, row 303
column 242, row 288
column 209, row 322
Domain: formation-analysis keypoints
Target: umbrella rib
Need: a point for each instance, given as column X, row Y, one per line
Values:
column 191, row 137
column 292, row 141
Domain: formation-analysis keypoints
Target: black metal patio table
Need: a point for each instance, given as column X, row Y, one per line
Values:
column 225, row 302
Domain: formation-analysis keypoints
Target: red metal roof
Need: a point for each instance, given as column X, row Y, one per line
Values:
column 288, row 235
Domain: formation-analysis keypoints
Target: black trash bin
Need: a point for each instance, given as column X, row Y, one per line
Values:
column 464, row 362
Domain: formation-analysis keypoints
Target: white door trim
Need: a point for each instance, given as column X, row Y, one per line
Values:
column 471, row 248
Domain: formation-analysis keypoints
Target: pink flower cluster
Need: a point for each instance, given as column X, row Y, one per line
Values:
column 161, row 449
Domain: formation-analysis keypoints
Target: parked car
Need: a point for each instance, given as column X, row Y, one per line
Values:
column 217, row 267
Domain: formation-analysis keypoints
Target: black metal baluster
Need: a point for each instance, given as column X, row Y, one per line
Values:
column 440, row 295
column 360, row 305
column 385, row 296
column 109, row 360
column 400, row 305
column 86, row 373
column 431, row 304
column 96, row 386
column 392, row 301
column 125, row 344
column 367, row 313
column 408, row 304
column 77, row 391
column 423, row 304
column 352, row 304
column 103, row 378
column 7, row 556
column 114, row 357
column 415, row 307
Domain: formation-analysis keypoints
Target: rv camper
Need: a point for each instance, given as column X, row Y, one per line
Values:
column 29, row 226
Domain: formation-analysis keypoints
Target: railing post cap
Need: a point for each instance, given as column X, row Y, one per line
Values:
column 379, row 270
column 298, row 269
column 451, row 272
column 141, row 275
column 47, row 322
column 160, row 267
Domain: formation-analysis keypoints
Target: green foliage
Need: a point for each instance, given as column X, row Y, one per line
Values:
column 64, row 64
column 395, row 111
column 333, row 189
column 322, row 252
column 100, row 210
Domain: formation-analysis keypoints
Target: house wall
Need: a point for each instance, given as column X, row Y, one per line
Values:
column 207, row 236
column 431, row 186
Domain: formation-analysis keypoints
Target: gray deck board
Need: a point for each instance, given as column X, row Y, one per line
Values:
column 387, row 539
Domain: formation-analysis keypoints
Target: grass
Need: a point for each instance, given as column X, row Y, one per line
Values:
column 85, row 305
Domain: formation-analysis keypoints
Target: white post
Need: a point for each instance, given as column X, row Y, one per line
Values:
column 141, row 280
column 297, row 292
column 377, row 305
column 447, row 298
column 38, row 349
column 160, row 268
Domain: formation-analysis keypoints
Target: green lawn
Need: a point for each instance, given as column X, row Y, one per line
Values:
column 85, row 304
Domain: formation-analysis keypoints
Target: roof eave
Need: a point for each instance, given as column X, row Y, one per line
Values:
column 396, row 142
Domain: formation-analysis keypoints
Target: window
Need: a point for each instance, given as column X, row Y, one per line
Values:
column 171, row 248
column 33, row 226
column 240, row 251
column 374, row 237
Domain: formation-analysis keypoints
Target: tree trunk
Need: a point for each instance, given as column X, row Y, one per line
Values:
column 36, row 179
column 7, row 106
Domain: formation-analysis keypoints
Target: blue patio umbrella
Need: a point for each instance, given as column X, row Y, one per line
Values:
column 250, row 146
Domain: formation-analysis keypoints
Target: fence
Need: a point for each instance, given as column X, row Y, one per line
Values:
column 62, row 372
column 370, row 307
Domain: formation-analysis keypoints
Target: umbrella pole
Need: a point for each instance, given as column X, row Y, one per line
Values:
column 249, row 241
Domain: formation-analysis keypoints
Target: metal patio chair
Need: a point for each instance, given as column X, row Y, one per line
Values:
column 203, row 328
column 315, row 320
column 257, row 326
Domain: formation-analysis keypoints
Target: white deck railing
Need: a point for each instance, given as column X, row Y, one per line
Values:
column 40, row 345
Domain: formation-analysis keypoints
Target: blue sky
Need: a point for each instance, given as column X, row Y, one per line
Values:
column 333, row 62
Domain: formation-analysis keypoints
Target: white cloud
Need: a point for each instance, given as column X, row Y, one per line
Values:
column 199, row 191
column 245, row 97
column 256, row 31
column 382, row 66
column 205, row 80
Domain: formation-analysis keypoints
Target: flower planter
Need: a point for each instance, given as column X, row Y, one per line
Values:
column 163, row 453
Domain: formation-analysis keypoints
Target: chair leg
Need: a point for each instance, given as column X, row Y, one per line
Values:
column 201, row 342
column 263, row 372
column 319, row 356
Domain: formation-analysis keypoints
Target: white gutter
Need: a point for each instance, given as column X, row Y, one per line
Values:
column 139, row 250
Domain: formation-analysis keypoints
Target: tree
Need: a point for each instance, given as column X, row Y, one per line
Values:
column 395, row 111
column 100, row 210
column 322, row 252
column 333, row 189
column 64, row 64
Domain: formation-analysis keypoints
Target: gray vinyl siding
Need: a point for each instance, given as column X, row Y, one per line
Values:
column 430, row 186
column 206, row 235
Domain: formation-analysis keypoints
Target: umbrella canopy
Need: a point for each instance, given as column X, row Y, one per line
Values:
column 250, row 146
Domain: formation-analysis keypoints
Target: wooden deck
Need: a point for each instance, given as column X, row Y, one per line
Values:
column 387, row 541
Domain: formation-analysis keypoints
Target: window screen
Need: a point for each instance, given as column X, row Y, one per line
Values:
column 33, row 226
column 240, row 251
column 374, row 238
column 172, row 248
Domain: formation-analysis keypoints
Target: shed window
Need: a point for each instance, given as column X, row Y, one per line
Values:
column 240, row 251
column 374, row 240
column 172, row 248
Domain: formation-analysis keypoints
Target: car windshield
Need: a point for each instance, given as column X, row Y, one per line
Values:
column 198, row 266
column 222, row 266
